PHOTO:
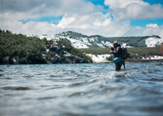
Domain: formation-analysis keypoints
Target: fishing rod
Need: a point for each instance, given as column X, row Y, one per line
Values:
column 128, row 31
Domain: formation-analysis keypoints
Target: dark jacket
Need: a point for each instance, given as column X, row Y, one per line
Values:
column 117, row 51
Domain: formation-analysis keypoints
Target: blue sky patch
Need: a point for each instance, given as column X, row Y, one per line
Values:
column 143, row 23
column 98, row 2
column 49, row 19
column 151, row 2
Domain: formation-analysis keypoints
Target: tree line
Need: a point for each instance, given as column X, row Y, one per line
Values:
column 29, row 50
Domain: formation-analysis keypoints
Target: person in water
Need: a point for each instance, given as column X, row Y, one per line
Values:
column 116, row 50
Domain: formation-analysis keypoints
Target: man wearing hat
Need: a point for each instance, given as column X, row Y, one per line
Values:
column 116, row 50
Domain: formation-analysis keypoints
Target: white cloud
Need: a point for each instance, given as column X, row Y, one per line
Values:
column 10, row 22
column 80, row 16
column 153, row 31
column 48, row 7
column 92, row 24
column 85, row 21
column 115, row 4
column 38, row 28
column 152, row 25
column 14, row 11
column 146, row 31
column 104, row 23
column 66, row 21
column 135, row 9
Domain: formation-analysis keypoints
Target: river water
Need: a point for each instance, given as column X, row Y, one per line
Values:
column 81, row 90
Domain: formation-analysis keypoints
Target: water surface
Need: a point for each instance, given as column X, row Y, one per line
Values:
column 81, row 90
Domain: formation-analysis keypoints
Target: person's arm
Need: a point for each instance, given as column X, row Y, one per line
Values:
column 112, row 50
column 117, row 51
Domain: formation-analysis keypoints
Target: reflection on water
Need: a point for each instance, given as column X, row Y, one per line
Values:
column 81, row 89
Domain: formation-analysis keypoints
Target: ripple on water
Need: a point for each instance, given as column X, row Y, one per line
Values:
column 47, row 98
column 16, row 88
column 77, row 84
column 123, row 75
column 1, row 75
column 28, row 76
column 82, row 89
column 153, row 79
column 54, row 75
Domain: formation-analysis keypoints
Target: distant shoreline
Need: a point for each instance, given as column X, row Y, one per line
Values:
column 127, row 61
column 144, row 60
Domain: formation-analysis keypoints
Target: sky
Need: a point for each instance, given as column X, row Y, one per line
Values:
column 110, row 18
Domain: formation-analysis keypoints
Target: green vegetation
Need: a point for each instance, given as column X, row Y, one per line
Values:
column 20, row 49
column 21, row 46
column 144, row 51
column 95, row 51
column 134, row 52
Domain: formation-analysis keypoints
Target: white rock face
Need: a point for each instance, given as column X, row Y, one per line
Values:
column 48, row 37
column 99, row 58
column 82, row 41
column 153, row 41
column 155, row 57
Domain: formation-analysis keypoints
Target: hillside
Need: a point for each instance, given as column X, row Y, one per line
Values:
column 137, row 51
column 135, row 54
column 62, row 48
column 20, row 49
column 79, row 40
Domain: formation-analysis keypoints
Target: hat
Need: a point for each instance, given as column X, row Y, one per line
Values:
column 115, row 42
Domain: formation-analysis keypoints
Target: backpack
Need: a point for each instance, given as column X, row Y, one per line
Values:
column 124, row 53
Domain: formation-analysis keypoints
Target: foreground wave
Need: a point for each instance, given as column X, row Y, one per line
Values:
column 81, row 90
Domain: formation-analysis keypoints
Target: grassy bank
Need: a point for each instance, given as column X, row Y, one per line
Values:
column 134, row 52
